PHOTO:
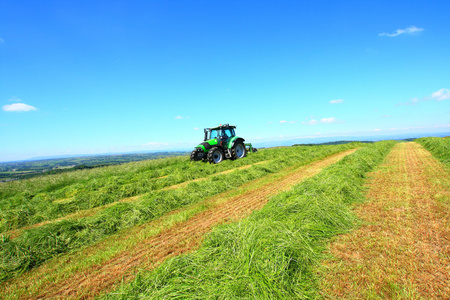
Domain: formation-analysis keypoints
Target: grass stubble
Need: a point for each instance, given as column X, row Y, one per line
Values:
column 402, row 248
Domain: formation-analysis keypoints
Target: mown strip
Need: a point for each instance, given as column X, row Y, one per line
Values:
column 37, row 245
column 272, row 253
column 439, row 147
column 401, row 250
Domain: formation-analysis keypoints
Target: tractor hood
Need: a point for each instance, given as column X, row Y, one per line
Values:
column 206, row 145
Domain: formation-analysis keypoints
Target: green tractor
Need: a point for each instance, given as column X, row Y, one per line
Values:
column 221, row 143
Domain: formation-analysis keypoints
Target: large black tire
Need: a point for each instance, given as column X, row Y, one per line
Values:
column 193, row 155
column 238, row 150
column 215, row 155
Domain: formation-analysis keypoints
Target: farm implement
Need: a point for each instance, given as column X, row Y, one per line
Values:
column 221, row 143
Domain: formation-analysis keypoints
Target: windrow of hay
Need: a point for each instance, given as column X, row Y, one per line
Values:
column 95, row 210
column 439, row 147
column 27, row 203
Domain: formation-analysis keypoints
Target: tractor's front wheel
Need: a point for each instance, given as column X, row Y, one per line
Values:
column 194, row 156
column 215, row 155
column 238, row 150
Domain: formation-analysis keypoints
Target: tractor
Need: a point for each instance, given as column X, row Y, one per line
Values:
column 221, row 143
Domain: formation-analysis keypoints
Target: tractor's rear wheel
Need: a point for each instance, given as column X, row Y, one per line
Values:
column 215, row 155
column 238, row 150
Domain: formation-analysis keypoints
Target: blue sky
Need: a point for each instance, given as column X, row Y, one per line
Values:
column 82, row 77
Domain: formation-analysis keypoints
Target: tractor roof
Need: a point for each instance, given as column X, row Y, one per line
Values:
column 222, row 127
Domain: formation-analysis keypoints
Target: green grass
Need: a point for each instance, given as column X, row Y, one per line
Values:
column 99, row 187
column 439, row 147
column 271, row 254
column 37, row 245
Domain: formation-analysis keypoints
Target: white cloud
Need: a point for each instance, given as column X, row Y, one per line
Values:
column 337, row 101
column 323, row 120
column 196, row 128
column 330, row 120
column 18, row 107
column 311, row 122
column 409, row 30
column 178, row 117
column 283, row 121
column 270, row 122
column 442, row 94
column 377, row 129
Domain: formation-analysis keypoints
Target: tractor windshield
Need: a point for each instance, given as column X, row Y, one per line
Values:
column 215, row 133
column 212, row 133
column 229, row 132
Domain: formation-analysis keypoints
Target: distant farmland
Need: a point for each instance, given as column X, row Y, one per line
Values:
column 290, row 222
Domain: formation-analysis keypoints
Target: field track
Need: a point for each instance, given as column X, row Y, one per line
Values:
column 182, row 237
column 402, row 250
column 93, row 211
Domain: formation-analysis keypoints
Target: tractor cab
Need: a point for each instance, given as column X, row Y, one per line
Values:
column 221, row 132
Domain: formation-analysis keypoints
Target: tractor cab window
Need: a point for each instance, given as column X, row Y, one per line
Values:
column 207, row 134
column 214, row 134
column 229, row 132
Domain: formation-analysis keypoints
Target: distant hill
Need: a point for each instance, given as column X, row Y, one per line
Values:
column 334, row 143
column 31, row 168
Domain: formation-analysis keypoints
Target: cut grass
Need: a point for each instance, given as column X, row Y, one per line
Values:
column 93, row 211
column 32, row 205
column 37, row 245
column 128, row 243
column 271, row 254
column 401, row 251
